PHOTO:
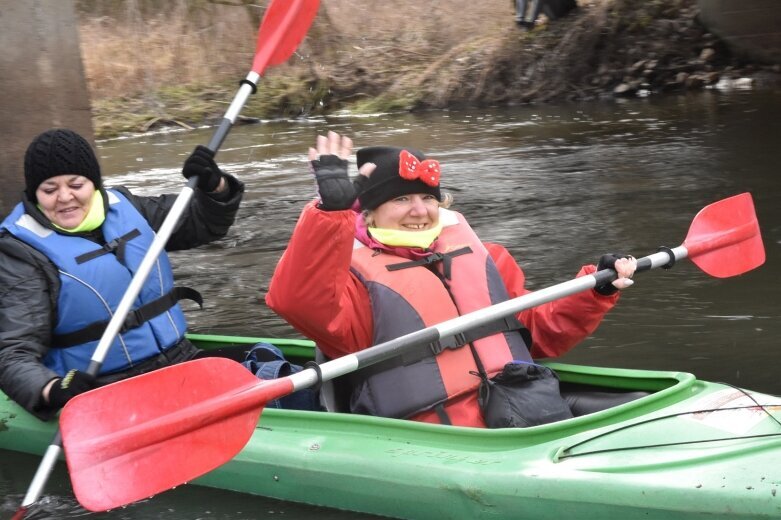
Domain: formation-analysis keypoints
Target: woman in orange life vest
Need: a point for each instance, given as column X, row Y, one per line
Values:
column 355, row 277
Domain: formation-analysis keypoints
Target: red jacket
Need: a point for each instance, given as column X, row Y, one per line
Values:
column 313, row 289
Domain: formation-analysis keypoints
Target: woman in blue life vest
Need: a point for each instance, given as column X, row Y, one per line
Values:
column 355, row 275
column 68, row 251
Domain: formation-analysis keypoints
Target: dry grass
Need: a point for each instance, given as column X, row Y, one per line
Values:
column 132, row 52
column 129, row 50
column 387, row 52
column 180, row 60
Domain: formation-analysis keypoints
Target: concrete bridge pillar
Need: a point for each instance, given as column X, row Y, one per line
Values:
column 751, row 28
column 42, row 83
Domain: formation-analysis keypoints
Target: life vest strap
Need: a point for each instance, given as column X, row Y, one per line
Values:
column 444, row 418
column 118, row 245
column 135, row 318
column 445, row 258
column 500, row 325
column 507, row 324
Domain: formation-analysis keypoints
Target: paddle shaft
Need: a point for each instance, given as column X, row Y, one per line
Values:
column 383, row 351
column 284, row 25
column 117, row 321
column 256, row 395
column 252, row 396
column 136, row 284
column 248, row 86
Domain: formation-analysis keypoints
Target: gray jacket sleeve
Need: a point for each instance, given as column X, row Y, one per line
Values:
column 28, row 293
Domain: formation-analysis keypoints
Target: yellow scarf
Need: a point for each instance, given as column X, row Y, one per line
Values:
column 402, row 238
column 94, row 219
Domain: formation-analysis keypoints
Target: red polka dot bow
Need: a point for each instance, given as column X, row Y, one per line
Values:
column 410, row 168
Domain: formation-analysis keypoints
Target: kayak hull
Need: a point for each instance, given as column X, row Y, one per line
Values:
column 691, row 449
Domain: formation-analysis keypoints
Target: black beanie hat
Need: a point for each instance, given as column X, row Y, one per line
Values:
column 385, row 183
column 58, row 152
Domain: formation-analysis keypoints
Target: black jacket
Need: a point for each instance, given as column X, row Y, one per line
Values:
column 30, row 285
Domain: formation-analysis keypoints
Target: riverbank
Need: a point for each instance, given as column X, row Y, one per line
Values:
column 355, row 59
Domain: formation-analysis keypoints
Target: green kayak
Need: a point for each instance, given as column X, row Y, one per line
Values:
column 689, row 449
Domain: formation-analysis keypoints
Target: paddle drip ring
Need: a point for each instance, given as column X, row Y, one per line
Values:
column 670, row 253
column 314, row 366
column 251, row 84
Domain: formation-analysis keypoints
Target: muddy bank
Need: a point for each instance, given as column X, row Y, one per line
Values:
column 472, row 54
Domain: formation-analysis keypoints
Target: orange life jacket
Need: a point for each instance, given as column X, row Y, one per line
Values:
column 459, row 277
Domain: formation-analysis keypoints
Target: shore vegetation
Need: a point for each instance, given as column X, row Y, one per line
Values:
column 179, row 62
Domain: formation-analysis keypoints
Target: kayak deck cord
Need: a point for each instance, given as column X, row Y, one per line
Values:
column 565, row 453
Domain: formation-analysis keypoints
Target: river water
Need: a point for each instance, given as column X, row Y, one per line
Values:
column 557, row 185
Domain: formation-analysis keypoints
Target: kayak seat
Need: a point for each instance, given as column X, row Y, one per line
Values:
column 586, row 399
column 334, row 394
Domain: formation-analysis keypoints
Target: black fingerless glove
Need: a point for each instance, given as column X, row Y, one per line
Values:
column 66, row 388
column 201, row 164
column 608, row 261
column 336, row 190
column 359, row 183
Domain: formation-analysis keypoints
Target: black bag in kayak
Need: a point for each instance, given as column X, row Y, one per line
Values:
column 521, row 395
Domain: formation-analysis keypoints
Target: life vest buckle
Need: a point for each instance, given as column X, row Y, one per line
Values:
column 451, row 342
column 134, row 319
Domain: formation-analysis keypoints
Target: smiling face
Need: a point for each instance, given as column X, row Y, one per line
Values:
column 65, row 199
column 415, row 212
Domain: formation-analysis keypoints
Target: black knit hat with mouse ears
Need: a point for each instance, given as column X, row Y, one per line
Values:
column 58, row 151
column 388, row 180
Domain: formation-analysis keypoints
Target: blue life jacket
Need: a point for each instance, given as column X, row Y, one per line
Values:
column 93, row 280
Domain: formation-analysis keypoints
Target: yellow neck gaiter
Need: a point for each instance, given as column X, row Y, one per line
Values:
column 94, row 219
column 399, row 237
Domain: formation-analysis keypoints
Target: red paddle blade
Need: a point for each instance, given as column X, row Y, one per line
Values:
column 133, row 439
column 283, row 27
column 724, row 238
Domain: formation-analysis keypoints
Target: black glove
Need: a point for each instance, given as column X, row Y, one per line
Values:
column 336, row 190
column 201, row 163
column 68, row 387
column 608, row 261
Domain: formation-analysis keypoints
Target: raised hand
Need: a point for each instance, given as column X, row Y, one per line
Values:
column 329, row 164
